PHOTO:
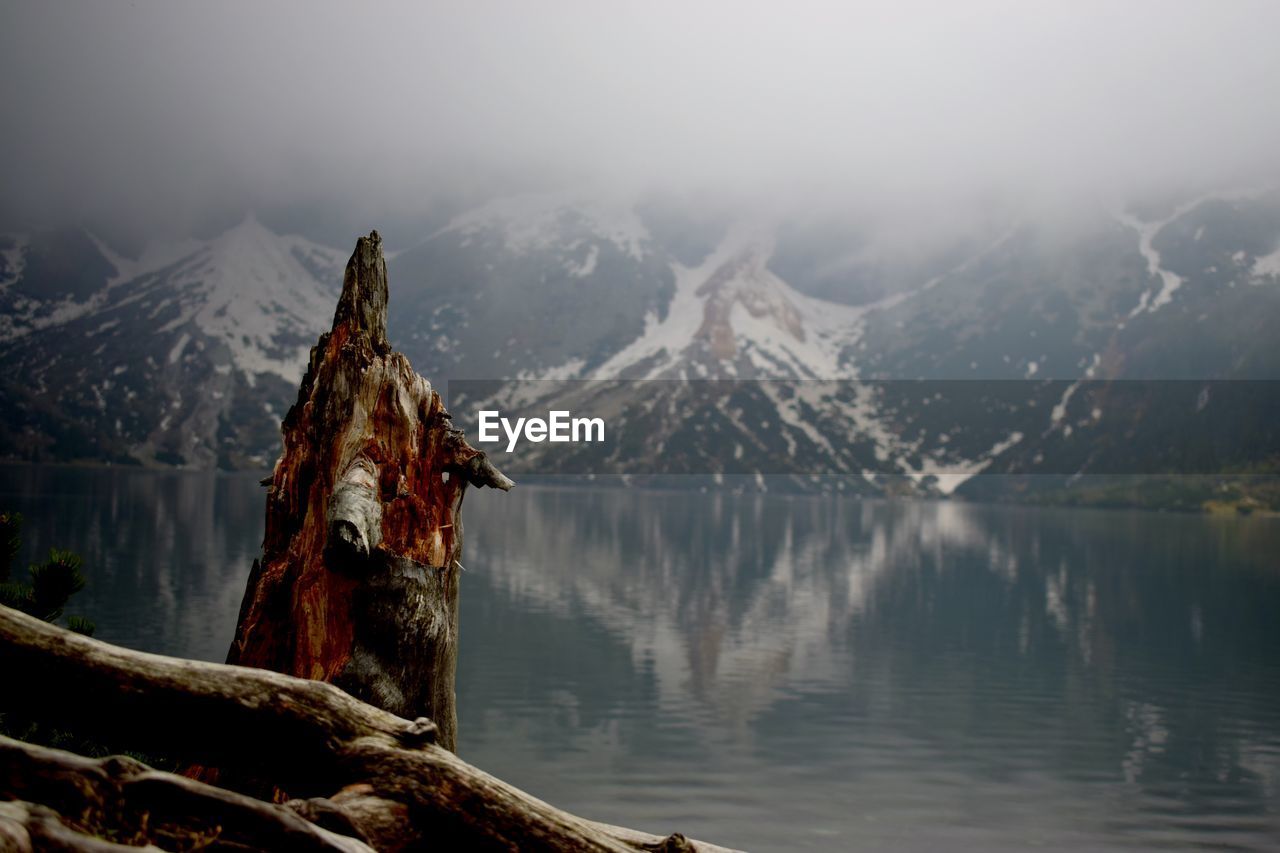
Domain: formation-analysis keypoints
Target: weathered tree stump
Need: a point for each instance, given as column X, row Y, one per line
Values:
column 358, row 581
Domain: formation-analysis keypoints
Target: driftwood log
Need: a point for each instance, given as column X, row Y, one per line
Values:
column 363, row 777
column 115, row 803
column 358, row 580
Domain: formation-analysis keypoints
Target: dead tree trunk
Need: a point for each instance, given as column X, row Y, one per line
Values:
column 363, row 776
column 358, row 581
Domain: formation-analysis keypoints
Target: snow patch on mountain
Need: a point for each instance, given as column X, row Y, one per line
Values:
column 666, row 337
column 13, row 257
column 248, row 289
column 588, row 266
column 733, row 305
column 571, row 369
column 1151, row 302
column 1266, row 265
column 265, row 296
column 176, row 352
column 950, row 475
column 23, row 314
column 776, row 326
column 1060, row 409
column 1169, row 281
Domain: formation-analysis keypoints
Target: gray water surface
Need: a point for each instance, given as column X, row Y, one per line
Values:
column 778, row 673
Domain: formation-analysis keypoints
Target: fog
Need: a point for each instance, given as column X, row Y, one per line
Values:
column 160, row 115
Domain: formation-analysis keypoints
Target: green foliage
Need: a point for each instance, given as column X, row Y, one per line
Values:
column 16, row 595
column 10, row 541
column 52, row 583
column 81, row 625
column 1256, row 489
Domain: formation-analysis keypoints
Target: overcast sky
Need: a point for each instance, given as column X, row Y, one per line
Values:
column 156, row 113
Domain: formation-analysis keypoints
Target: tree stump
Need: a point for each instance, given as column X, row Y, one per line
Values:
column 358, row 580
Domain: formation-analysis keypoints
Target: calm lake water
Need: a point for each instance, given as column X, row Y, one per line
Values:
column 779, row 673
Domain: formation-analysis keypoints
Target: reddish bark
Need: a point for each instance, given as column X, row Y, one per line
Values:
column 358, row 581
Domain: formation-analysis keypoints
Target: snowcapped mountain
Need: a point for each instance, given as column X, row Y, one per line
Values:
column 715, row 343
column 188, row 354
column 731, row 317
column 1067, row 313
column 527, row 285
column 260, row 295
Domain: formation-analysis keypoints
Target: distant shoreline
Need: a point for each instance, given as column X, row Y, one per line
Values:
column 1202, row 496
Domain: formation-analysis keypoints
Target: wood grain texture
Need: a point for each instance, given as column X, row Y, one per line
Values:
column 358, row 581
column 356, row 771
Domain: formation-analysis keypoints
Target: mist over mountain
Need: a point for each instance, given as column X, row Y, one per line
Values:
column 731, row 192
column 189, row 353
column 157, row 120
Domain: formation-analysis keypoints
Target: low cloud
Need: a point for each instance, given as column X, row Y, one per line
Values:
column 157, row 114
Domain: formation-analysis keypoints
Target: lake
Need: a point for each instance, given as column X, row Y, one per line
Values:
column 778, row 672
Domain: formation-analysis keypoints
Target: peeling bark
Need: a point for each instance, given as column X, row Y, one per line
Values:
column 124, row 802
column 358, row 581
column 363, row 775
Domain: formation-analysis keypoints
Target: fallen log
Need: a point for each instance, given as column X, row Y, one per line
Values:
column 360, row 775
column 59, row 795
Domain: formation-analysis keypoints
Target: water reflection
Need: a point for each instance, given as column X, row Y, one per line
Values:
column 166, row 552
column 809, row 672
column 781, row 673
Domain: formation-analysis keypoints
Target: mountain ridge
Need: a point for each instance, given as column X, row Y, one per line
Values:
column 189, row 353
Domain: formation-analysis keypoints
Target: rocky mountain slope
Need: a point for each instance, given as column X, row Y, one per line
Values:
column 187, row 355
column 712, row 344
column 1107, row 345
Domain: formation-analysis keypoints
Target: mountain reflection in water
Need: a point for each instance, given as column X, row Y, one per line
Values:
column 775, row 673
